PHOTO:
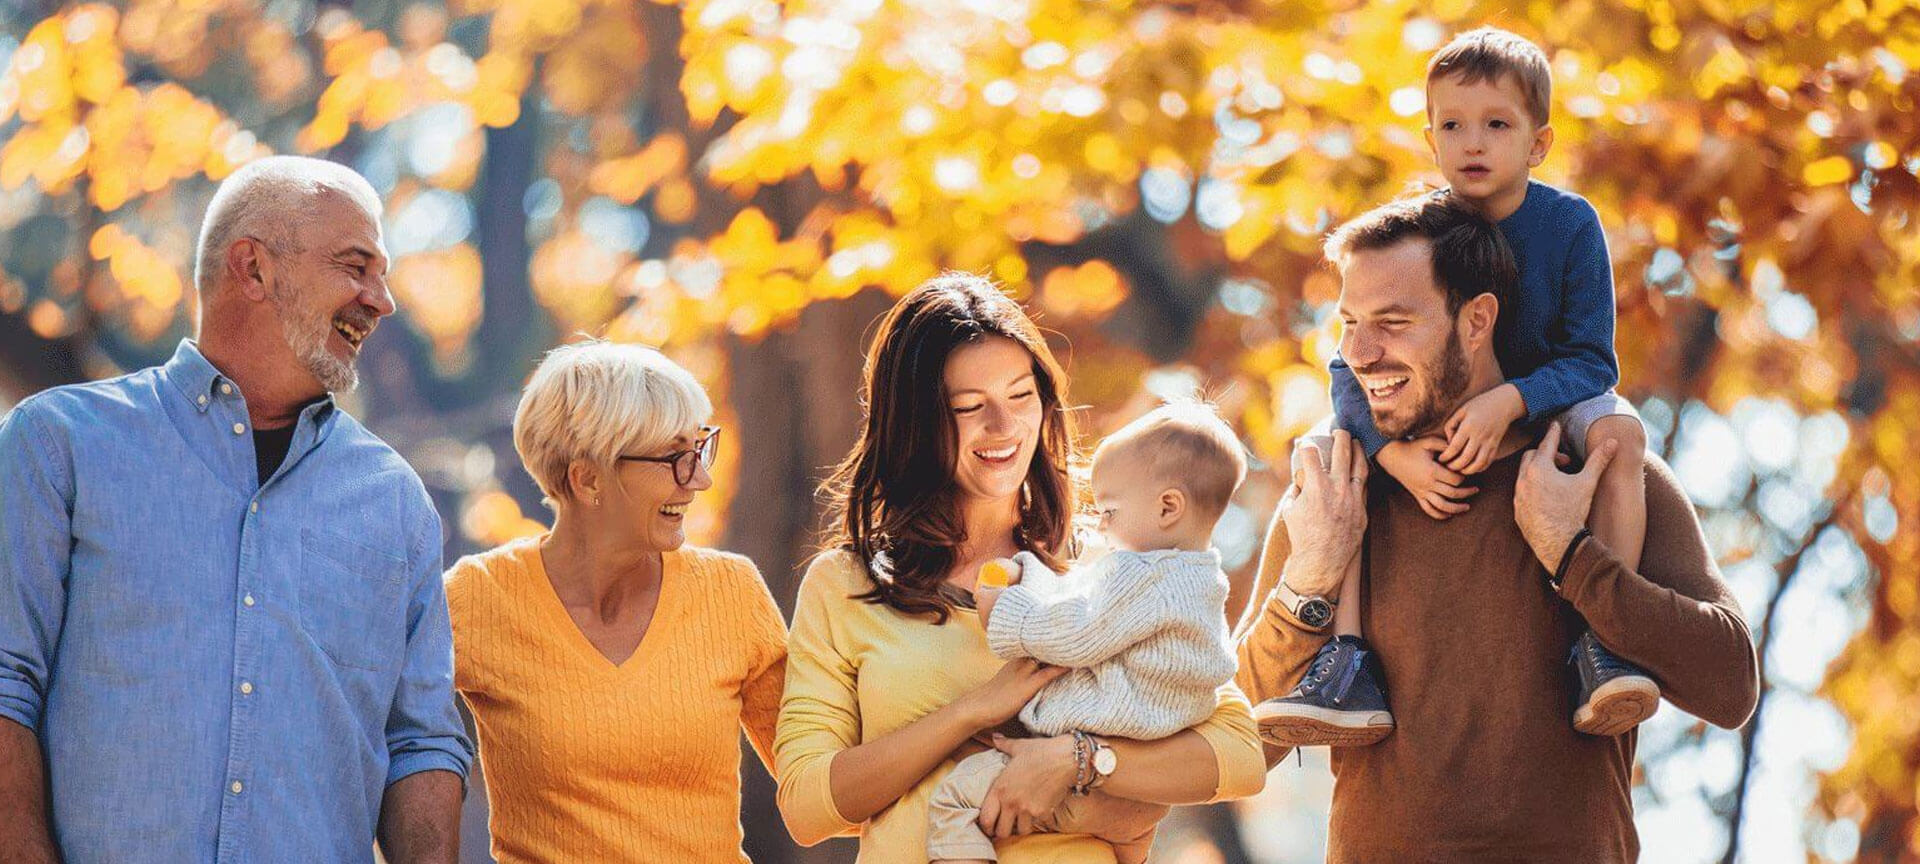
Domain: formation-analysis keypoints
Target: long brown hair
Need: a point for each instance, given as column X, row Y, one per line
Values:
column 893, row 499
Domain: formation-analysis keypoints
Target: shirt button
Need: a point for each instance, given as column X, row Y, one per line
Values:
column 239, row 428
column 247, row 599
column 202, row 400
column 235, row 788
column 253, row 507
column 226, row 389
column 246, row 687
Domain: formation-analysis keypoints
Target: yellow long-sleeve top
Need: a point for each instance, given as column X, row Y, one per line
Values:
column 588, row 761
column 858, row 670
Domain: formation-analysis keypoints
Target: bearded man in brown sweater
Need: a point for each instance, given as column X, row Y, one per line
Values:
column 1474, row 619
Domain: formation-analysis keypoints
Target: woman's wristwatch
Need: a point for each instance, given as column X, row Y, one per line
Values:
column 1094, row 762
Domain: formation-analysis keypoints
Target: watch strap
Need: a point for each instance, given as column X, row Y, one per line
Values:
column 1292, row 600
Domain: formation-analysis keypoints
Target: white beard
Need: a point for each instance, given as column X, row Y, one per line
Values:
column 307, row 335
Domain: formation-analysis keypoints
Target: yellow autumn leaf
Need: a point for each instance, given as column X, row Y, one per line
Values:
column 1824, row 172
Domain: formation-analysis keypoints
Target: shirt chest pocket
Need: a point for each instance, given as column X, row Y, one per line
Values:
column 351, row 600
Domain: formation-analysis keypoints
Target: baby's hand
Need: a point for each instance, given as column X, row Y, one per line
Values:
column 994, row 578
column 1475, row 429
column 1441, row 491
column 999, row 573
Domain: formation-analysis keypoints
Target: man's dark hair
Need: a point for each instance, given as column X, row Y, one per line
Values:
column 1470, row 257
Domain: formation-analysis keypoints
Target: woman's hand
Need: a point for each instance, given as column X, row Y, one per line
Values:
column 1037, row 778
column 868, row 778
column 1009, row 690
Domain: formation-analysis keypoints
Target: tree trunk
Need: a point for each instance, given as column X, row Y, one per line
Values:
column 793, row 392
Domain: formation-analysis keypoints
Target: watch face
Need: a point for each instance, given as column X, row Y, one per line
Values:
column 1104, row 760
column 1315, row 612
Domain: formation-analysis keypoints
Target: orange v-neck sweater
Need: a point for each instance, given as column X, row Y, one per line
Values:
column 586, row 760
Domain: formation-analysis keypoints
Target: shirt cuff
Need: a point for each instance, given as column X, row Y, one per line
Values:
column 1588, row 559
column 1009, row 619
column 411, row 763
column 1279, row 609
column 1544, row 398
column 1372, row 445
column 806, row 804
column 20, row 703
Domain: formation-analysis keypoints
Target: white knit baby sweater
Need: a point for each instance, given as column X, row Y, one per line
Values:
column 1144, row 632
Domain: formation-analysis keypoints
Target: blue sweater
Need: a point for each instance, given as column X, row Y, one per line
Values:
column 1554, row 339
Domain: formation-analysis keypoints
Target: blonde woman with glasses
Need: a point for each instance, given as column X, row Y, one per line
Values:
column 607, row 664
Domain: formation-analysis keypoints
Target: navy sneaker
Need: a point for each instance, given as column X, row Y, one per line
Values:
column 1614, row 695
column 1340, row 703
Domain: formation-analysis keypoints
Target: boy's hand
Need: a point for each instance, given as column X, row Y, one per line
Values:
column 1475, row 429
column 1441, row 491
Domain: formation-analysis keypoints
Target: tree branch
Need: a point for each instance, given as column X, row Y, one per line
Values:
column 1784, row 573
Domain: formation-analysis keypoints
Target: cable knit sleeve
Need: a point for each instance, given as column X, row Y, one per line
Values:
column 1125, row 605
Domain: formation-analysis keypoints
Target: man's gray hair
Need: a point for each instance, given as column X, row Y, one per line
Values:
column 271, row 199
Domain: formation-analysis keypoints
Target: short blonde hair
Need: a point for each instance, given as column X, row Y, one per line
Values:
column 1186, row 444
column 1488, row 53
column 595, row 400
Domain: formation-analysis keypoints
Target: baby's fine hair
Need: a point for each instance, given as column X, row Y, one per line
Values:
column 1188, row 445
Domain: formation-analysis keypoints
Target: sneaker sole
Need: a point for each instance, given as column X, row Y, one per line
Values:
column 1307, row 726
column 1617, row 706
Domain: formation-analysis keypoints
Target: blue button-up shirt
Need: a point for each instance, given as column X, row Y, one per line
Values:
column 218, row 669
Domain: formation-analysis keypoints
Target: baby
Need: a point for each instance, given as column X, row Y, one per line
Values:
column 1143, row 627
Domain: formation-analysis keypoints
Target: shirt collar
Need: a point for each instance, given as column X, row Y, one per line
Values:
column 202, row 385
column 194, row 376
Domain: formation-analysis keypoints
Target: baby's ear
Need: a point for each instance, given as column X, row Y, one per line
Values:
column 1173, row 505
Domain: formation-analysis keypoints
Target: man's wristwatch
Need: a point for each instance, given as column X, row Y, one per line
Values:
column 1313, row 611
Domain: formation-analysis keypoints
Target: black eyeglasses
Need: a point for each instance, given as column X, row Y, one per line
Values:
column 686, row 462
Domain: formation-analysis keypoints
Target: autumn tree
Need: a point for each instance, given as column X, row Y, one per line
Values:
column 748, row 182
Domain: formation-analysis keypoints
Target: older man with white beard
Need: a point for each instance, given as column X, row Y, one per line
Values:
column 223, row 635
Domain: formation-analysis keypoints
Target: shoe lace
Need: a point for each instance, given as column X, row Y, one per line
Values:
column 1602, row 660
column 1320, row 672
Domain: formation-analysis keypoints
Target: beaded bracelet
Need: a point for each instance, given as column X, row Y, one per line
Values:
column 1082, row 762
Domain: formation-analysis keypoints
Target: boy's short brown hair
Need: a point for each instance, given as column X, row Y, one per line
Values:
column 1486, row 54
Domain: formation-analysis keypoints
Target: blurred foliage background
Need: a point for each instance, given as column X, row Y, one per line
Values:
column 747, row 183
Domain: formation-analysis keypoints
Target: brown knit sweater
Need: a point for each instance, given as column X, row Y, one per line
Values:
column 1483, row 764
